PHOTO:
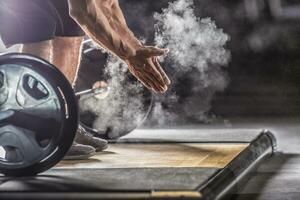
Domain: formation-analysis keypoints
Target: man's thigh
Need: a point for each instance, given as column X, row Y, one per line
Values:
column 25, row 22
column 41, row 49
column 65, row 55
column 34, row 21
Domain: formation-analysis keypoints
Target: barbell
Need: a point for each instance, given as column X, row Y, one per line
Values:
column 38, row 114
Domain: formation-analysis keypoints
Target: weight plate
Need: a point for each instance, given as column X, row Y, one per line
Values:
column 38, row 115
column 128, row 102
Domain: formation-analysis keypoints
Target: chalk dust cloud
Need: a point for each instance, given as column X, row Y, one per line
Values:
column 195, row 65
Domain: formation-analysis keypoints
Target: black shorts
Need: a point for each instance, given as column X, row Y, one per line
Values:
column 28, row 21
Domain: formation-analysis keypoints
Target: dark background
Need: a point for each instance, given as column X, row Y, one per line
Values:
column 264, row 70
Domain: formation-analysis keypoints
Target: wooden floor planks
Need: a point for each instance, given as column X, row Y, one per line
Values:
column 161, row 155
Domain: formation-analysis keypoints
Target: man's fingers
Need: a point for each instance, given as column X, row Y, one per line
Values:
column 155, row 86
column 140, row 77
column 160, row 87
column 150, row 82
column 161, row 71
column 154, row 51
column 156, row 74
column 150, row 77
column 147, row 82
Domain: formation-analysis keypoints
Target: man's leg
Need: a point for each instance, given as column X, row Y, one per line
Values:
column 63, row 52
column 40, row 49
column 66, row 55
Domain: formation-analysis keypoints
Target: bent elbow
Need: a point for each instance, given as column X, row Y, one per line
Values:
column 75, row 13
column 77, row 8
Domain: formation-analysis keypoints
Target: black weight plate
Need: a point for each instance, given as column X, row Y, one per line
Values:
column 127, row 104
column 38, row 115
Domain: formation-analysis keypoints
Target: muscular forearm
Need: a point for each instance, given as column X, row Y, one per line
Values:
column 104, row 22
column 119, row 25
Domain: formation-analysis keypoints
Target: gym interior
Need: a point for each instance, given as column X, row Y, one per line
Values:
column 228, row 127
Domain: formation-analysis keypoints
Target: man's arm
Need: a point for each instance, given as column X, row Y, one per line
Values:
column 96, row 25
column 104, row 22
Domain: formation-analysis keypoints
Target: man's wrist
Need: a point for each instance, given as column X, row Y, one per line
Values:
column 129, row 51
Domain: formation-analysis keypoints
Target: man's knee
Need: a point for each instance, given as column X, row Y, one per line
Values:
column 77, row 8
column 40, row 49
column 67, row 43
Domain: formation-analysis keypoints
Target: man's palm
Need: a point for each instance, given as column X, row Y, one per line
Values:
column 146, row 68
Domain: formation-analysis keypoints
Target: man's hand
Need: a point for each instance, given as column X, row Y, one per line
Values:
column 104, row 22
column 146, row 68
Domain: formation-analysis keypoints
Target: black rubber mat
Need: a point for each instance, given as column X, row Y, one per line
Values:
column 139, row 179
column 148, row 183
